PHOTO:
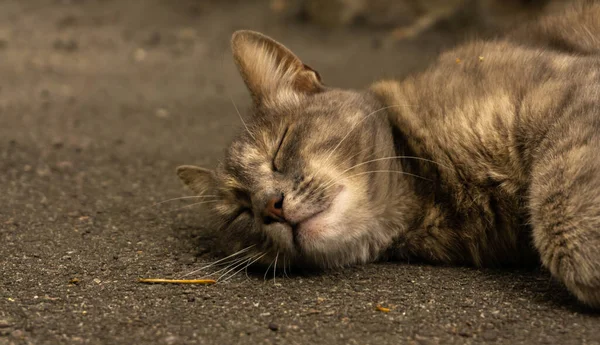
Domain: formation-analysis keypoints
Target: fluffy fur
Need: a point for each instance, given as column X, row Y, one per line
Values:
column 490, row 157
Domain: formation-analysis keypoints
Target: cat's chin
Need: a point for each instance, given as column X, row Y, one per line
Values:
column 321, row 236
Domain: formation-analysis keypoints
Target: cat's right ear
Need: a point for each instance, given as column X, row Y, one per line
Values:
column 268, row 67
column 199, row 180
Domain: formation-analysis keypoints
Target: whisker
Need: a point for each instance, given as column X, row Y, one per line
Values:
column 378, row 171
column 284, row 264
column 359, row 123
column 373, row 154
column 174, row 199
column 267, row 271
column 250, row 264
column 333, row 167
column 398, row 157
column 244, row 260
column 241, row 118
column 388, row 158
column 194, row 204
column 275, row 267
column 227, row 265
column 241, row 251
column 247, row 262
column 232, row 264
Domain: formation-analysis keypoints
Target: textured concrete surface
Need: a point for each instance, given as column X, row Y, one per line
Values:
column 101, row 100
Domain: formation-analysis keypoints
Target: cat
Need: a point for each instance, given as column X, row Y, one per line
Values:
column 490, row 157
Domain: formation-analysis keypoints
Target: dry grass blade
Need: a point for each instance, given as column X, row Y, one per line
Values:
column 176, row 281
column 382, row 309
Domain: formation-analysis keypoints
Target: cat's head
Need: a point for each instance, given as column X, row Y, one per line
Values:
column 304, row 179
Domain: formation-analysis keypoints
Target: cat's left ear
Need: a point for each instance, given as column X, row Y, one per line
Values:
column 199, row 180
column 267, row 66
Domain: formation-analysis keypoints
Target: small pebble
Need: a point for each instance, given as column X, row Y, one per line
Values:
column 58, row 144
column 154, row 39
column 490, row 335
column 18, row 333
column 273, row 326
column 64, row 165
column 465, row 333
column 139, row 55
column 171, row 339
column 187, row 34
column 162, row 113
column 66, row 45
column 66, row 22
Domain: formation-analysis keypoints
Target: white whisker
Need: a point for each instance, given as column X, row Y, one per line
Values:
column 232, row 264
column 359, row 123
column 241, row 118
column 174, row 199
column 267, row 271
column 247, row 263
column 337, row 166
column 242, row 251
column 275, row 267
column 386, row 158
column 284, row 264
column 377, row 171
column 333, row 167
column 244, row 261
column 194, row 204
column 250, row 264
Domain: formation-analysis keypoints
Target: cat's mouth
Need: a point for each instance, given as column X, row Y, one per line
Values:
column 314, row 231
column 297, row 228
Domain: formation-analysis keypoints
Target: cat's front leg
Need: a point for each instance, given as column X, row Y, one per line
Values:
column 565, row 214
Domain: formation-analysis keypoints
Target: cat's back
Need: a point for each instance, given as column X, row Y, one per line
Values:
column 574, row 29
column 484, row 109
column 486, row 99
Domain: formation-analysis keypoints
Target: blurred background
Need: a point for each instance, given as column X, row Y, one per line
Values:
column 108, row 69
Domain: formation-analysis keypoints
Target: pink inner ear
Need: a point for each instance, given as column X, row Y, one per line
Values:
column 317, row 75
column 308, row 81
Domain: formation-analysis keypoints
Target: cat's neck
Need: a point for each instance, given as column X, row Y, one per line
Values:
column 400, row 199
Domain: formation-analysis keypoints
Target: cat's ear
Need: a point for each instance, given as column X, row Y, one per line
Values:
column 199, row 180
column 267, row 66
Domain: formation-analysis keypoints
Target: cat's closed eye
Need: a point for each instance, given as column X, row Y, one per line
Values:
column 274, row 164
column 243, row 199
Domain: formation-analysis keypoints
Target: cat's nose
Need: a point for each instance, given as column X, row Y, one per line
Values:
column 274, row 210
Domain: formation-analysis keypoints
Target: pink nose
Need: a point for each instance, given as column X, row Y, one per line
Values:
column 274, row 208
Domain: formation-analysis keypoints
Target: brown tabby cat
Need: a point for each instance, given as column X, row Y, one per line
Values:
column 490, row 157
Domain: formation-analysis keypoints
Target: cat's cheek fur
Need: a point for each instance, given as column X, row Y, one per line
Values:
column 339, row 236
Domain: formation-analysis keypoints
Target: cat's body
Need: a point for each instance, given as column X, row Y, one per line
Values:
column 491, row 113
column 490, row 157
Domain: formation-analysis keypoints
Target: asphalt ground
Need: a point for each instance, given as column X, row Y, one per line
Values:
column 101, row 100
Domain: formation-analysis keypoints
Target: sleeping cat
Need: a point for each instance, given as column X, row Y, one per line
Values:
column 490, row 157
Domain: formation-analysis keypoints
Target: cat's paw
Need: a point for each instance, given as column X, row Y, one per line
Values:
column 579, row 270
column 589, row 295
